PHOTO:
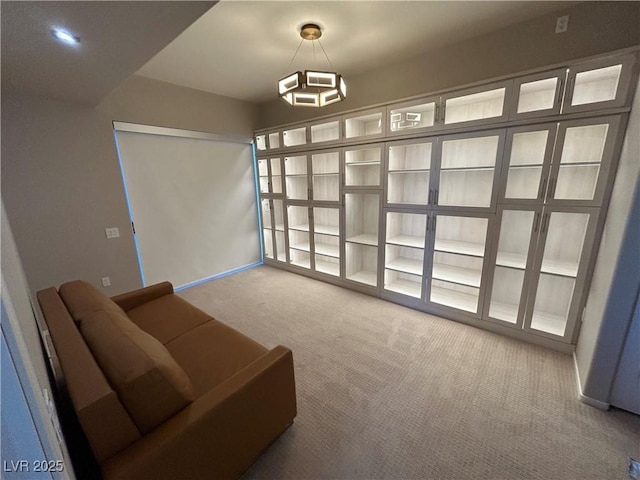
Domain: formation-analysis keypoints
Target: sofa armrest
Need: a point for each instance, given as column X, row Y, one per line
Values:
column 130, row 300
column 222, row 432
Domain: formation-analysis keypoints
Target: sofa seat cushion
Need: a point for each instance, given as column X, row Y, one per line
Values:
column 81, row 298
column 167, row 317
column 149, row 382
column 213, row 352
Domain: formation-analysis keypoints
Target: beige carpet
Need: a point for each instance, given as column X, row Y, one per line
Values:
column 387, row 392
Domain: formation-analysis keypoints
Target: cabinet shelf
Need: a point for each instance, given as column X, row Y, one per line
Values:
column 326, row 174
column 456, row 246
column 364, row 276
column 511, row 260
column 468, row 169
column 280, row 227
column 304, row 227
column 414, row 170
column 367, row 163
column 405, row 287
column 303, row 247
column 563, row 268
column 327, row 229
column 327, row 250
column 330, row 268
column 304, row 263
column 548, row 322
column 459, row 275
column 405, row 265
column 407, row 241
column 452, row 298
column 365, row 239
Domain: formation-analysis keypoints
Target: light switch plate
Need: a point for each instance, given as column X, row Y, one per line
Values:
column 112, row 232
column 106, row 281
column 562, row 24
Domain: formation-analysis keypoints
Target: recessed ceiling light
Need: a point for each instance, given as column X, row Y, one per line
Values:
column 65, row 36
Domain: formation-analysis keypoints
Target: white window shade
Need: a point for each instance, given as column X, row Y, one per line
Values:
column 193, row 202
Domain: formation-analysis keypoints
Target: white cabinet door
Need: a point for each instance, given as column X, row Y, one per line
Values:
column 563, row 250
column 325, row 176
column 326, row 240
column 364, row 124
column 362, row 212
column 363, row 166
column 298, row 220
column 296, row 173
column 274, row 140
column 467, row 170
column 408, row 172
column 266, row 209
column 413, row 117
column 279, row 229
column 404, row 256
column 526, row 164
column 294, row 137
column 261, row 142
column 511, row 263
column 485, row 104
column 604, row 83
column 582, row 161
column 326, row 131
column 538, row 95
column 270, row 176
column 459, row 247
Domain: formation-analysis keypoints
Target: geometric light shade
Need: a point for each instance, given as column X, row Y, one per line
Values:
column 312, row 88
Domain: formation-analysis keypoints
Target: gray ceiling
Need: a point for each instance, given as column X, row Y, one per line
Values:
column 116, row 39
column 237, row 48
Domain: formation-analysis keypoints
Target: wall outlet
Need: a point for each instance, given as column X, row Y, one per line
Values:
column 112, row 232
column 562, row 24
column 106, row 281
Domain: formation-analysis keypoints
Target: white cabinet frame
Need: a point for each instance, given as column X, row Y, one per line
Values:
column 391, row 120
column 623, row 94
column 580, row 279
column 310, row 131
column 353, row 116
column 559, row 74
column 611, row 143
column 452, row 96
column 501, row 187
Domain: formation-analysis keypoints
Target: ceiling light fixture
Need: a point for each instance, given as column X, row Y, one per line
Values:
column 65, row 36
column 313, row 88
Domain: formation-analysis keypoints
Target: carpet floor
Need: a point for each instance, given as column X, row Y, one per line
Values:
column 386, row 392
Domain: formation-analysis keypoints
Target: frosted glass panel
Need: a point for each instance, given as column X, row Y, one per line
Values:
column 477, row 106
column 467, row 170
column 274, row 140
column 564, row 243
column 506, row 294
column 525, row 164
column 538, row 95
column 261, row 142
column 361, row 263
column 598, row 85
column 553, row 301
column 582, row 155
column 325, row 132
column 415, row 116
column 297, row 136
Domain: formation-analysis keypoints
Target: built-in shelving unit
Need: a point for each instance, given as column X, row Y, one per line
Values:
column 482, row 204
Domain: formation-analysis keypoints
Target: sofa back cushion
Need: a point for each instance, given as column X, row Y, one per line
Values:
column 82, row 298
column 149, row 382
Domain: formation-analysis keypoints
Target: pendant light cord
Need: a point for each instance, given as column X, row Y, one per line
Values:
column 294, row 55
column 327, row 56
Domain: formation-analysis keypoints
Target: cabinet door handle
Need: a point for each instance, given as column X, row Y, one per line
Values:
column 433, row 224
column 442, row 111
column 536, row 223
column 560, row 91
column 545, row 219
column 428, row 223
column 570, row 86
column 552, row 188
column 429, row 201
column 435, row 197
column 435, row 116
column 542, row 188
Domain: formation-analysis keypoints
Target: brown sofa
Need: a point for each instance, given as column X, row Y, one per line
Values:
column 161, row 389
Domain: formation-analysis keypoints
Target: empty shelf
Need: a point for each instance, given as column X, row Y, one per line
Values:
column 328, row 267
column 560, row 267
column 513, row 260
column 305, row 263
column 303, row 227
column 407, row 265
column 305, row 247
column 452, row 298
column 454, row 274
column 327, row 230
column 405, row 287
column 368, row 163
column 504, row 311
column 365, row 239
column 548, row 322
column 463, row 248
column 407, row 241
column 280, row 227
column 364, row 276
column 327, row 250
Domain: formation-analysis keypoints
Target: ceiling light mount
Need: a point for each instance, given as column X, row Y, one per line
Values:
column 313, row 88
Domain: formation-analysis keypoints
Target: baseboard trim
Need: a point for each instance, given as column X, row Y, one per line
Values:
column 583, row 398
column 217, row 276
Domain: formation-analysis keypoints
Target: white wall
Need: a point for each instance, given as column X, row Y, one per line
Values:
column 616, row 276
